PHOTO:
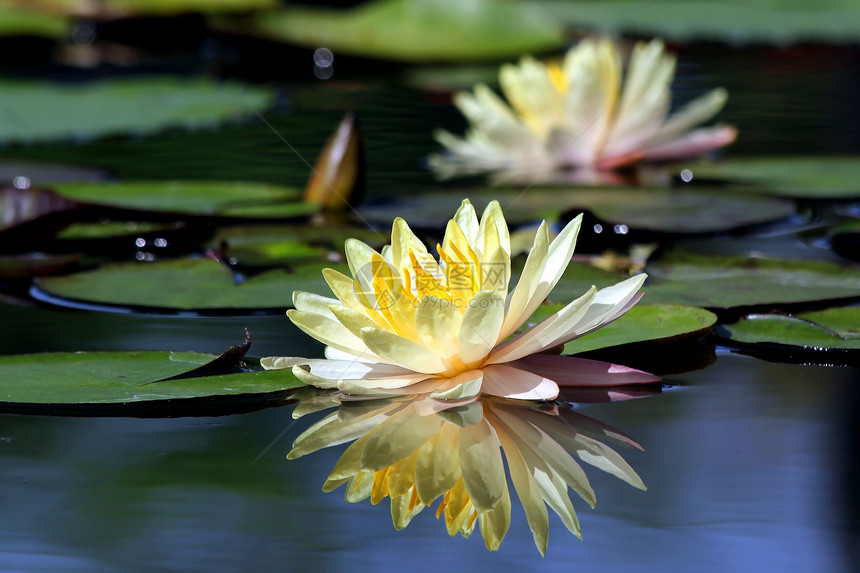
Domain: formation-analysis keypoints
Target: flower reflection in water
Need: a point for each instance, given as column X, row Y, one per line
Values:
column 417, row 451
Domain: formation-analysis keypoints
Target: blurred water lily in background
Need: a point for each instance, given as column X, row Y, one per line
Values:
column 576, row 115
column 416, row 451
column 409, row 324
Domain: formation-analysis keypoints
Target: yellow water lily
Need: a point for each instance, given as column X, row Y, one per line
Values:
column 416, row 451
column 577, row 115
column 406, row 323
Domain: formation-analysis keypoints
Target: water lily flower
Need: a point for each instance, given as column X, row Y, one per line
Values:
column 409, row 324
column 578, row 115
column 416, row 451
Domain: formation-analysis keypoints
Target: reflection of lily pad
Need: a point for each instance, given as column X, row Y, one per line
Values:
column 644, row 322
column 831, row 331
column 418, row 30
column 41, row 111
column 800, row 176
column 837, row 20
column 183, row 284
column 218, row 198
column 123, row 378
column 661, row 210
column 731, row 281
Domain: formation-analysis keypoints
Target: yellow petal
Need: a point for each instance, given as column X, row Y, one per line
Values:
column 437, row 464
column 395, row 349
column 464, row 385
column 437, row 323
column 482, row 322
column 481, row 464
column 527, row 491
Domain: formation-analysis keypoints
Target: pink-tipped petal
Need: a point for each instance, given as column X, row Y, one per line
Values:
column 696, row 142
column 574, row 371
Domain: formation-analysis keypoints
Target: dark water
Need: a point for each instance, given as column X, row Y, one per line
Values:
column 750, row 465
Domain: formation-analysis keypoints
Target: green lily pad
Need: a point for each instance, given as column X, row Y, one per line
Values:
column 32, row 264
column 215, row 198
column 417, row 30
column 684, row 20
column 799, row 176
column 790, row 331
column 182, row 285
column 658, row 210
column 844, row 321
column 109, row 229
column 36, row 111
column 709, row 281
column 276, row 245
column 18, row 21
column 123, row 378
column 642, row 323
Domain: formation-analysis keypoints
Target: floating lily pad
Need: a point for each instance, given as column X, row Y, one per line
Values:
column 113, row 379
column 108, row 229
column 792, row 333
column 711, row 281
column 32, row 264
column 276, row 245
column 216, row 198
column 36, row 111
column 658, row 210
column 417, row 30
column 182, row 285
column 18, row 21
column 754, row 20
column 800, row 176
column 644, row 322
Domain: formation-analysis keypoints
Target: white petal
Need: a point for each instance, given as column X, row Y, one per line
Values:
column 544, row 334
column 694, row 113
column 465, row 385
column 693, row 143
column 541, row 276
column 330, row 332
column 509, row 382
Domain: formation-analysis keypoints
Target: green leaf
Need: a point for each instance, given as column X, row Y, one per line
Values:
column 38, row 111
column 418, row 30
column 217, row 198
column 683, row 20
column 277, row 245
column 844, row 321
column 662, row 210
column 182, row 284
column 789, row 331
column 18, row 21
column 711, row 281
column 114, row 378
column 812, row 177
column 644, row 322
